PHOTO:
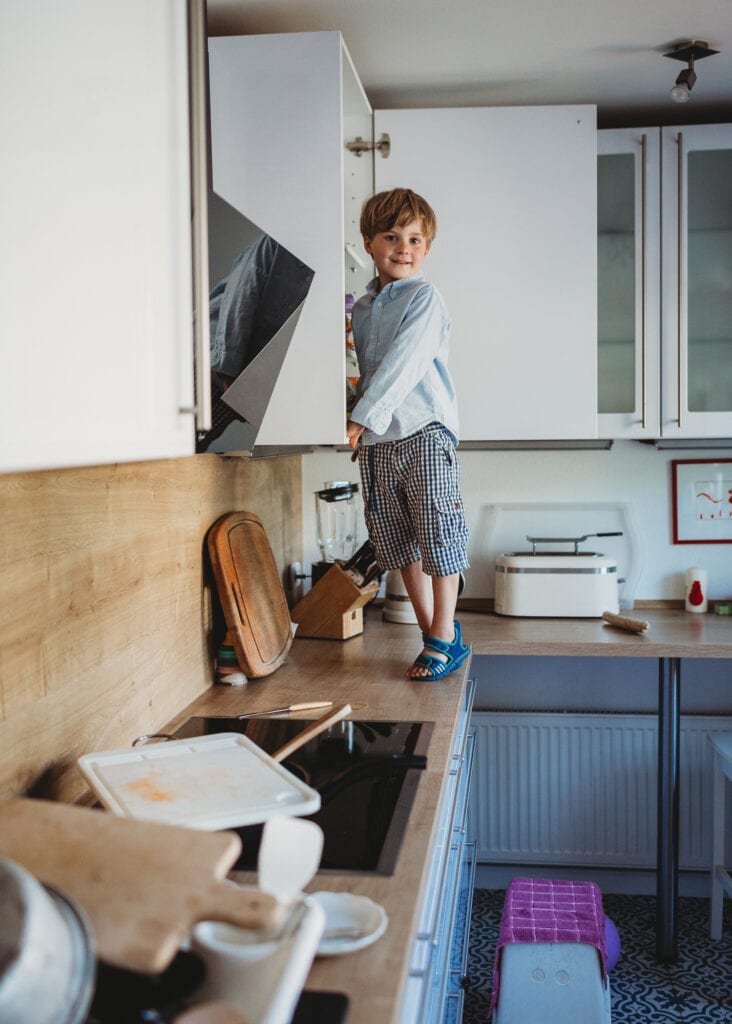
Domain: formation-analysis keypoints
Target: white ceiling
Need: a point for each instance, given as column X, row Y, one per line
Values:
column 436, row 53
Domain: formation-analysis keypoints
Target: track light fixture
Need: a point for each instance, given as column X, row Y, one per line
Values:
column 688, row 52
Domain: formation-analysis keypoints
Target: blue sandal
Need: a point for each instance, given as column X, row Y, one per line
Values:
column 455, row 653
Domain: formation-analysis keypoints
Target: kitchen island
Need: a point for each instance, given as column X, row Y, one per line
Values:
column 673, row 636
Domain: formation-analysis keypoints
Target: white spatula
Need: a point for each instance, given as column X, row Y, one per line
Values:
column 289, row 856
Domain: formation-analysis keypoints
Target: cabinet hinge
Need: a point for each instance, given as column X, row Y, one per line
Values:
column 359, row 146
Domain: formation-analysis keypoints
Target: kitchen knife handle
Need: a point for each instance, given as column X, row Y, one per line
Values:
column 308, row 705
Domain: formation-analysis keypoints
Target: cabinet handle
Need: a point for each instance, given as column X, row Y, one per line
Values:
column 644, row 302
column 199, row 213
column 680, row 275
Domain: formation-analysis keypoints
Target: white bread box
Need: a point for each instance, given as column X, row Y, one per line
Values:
column 552, row 584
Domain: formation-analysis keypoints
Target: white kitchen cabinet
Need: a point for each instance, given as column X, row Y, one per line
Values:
column 664, row 272
column 282, row 109
column 514, row 190
column 628, row 282
column 696, row 320
column 95, row 217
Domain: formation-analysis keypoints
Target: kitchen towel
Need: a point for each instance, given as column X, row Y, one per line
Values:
column 541, row 910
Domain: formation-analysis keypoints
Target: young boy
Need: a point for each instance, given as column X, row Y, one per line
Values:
column 404, row 425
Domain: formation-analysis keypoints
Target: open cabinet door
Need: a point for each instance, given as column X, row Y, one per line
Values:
column 280, row 108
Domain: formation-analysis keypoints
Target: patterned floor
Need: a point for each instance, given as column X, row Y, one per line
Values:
column 695, row 990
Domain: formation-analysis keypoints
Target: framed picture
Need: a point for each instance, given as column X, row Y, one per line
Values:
column 702, row 501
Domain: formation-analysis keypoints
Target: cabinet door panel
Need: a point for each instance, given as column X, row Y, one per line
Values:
column 697, row 281
column 277, row 113
column 628, row 282
column 515, row 257
column 96, row 306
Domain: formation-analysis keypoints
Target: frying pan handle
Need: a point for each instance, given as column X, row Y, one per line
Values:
column 318, row 726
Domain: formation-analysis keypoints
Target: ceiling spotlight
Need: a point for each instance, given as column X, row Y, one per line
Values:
column 681, row 92
column 688, row 52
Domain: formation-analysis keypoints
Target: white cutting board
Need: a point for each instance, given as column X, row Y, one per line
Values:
column 211, row 782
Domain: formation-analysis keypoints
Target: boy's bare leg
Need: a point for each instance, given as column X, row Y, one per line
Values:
column 419, row 587
column 434, row 599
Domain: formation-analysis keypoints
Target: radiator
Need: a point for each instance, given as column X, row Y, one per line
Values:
column 580, row 789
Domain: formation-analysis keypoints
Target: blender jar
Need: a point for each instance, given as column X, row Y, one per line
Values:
column 337, row 516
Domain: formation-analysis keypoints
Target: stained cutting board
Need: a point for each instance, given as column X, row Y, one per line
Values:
column 142, row 885
column 251, row 592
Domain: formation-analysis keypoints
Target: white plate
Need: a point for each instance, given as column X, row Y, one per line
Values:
column 360, row 920
column 219, row 781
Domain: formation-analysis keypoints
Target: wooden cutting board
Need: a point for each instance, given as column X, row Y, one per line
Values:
column 251, row 592
column 142, row 885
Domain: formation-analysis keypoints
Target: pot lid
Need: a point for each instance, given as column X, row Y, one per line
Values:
column 337, row 491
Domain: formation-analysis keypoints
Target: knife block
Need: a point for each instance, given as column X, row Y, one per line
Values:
column 333, row 608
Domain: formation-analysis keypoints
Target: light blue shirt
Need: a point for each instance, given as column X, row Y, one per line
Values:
column 402, row 337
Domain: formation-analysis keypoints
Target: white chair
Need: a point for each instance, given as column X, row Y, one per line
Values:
column 721, row 880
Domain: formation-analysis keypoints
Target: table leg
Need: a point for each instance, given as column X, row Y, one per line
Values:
column 667, row 840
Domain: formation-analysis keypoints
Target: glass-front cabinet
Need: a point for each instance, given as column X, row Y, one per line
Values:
column 628, row 281
column 696, row 319
column 665, row 282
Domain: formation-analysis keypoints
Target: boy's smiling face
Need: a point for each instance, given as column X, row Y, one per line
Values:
column 399, row 252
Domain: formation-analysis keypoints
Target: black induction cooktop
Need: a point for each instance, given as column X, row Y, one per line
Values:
column 367, row 775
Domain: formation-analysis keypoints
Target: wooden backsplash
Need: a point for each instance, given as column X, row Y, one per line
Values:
column 106, row 629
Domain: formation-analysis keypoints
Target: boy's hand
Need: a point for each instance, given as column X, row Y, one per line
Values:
column 353, row 433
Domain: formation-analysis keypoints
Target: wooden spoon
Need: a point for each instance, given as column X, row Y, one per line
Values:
column 318, row 726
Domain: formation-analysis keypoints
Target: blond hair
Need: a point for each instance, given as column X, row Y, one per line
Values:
column 398, row 206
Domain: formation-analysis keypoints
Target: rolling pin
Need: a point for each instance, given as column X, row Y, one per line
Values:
column 631, row 625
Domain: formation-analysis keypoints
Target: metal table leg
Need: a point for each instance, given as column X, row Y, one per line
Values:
column 667, row 840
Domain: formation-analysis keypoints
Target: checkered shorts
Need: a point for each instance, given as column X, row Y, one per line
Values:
column 412, row 502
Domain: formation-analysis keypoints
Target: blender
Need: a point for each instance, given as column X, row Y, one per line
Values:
column 337, row 518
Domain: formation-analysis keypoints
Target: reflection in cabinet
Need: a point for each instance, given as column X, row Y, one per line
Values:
column 664, row 273
column 96, row 303
column 514, row 190
column 282, row 107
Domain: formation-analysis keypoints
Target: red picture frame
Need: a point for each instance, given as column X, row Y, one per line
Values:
column 701, row 501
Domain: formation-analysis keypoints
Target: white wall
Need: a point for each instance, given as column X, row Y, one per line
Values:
column 631, row 472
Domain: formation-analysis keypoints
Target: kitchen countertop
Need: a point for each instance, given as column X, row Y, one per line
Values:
column 673, row 634
column 369, row 668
